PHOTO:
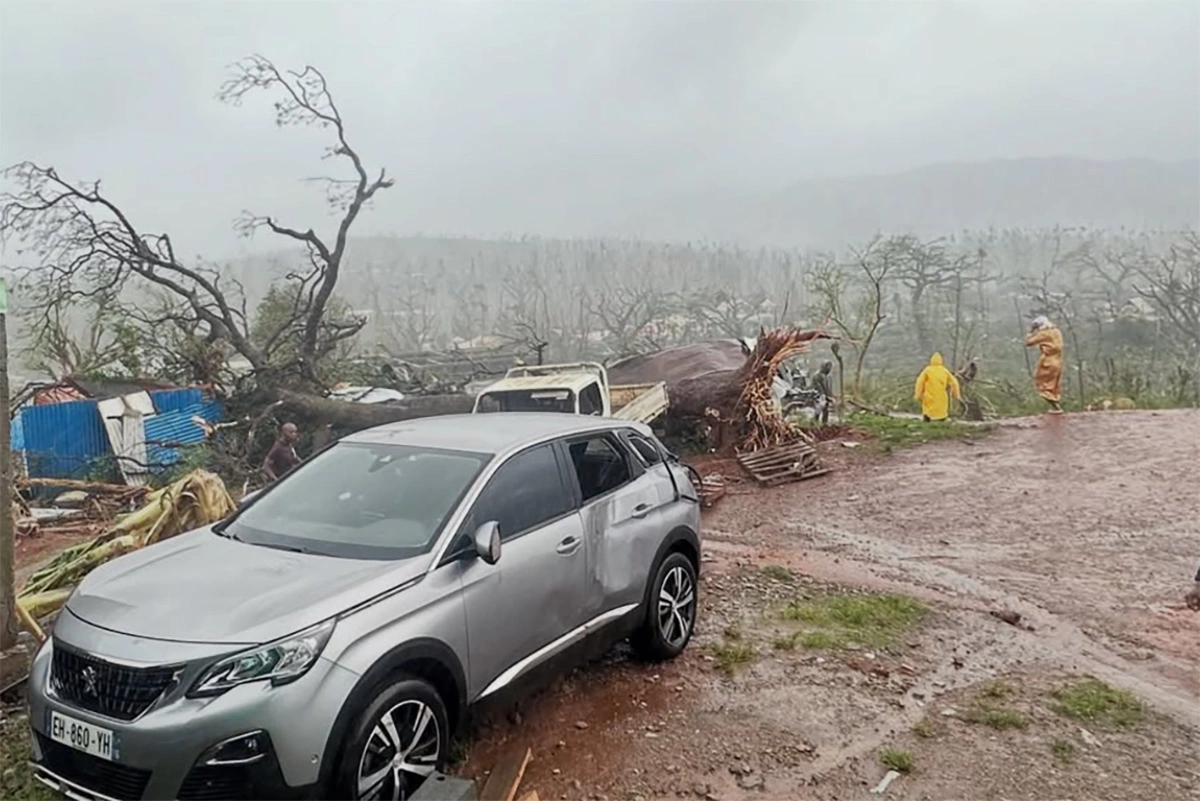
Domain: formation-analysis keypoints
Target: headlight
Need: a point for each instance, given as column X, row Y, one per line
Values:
column 281, row 661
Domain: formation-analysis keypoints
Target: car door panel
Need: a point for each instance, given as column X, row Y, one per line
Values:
column 525, row 601
column 535, row 593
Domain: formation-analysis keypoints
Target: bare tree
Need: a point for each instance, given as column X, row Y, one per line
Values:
column 852, row 295
column 80, row 244
column 1172, row 283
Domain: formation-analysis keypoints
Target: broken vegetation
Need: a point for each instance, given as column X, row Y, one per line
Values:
column 729, row 655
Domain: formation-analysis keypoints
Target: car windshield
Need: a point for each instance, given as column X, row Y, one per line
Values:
column 524, row 400
column 362, row 501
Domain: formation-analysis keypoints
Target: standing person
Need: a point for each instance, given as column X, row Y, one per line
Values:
column 1047, row 377
column 282, row 456
column 823, row 383
column 933, row 389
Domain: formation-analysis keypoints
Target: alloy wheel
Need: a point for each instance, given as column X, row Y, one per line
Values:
column 676, row 607
column 401, row 752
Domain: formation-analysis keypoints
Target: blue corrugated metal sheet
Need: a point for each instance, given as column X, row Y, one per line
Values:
column 172, row 400
column 166, row 431
column 63, row 440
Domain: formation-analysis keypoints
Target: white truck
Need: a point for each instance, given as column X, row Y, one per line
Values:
column 573, row 388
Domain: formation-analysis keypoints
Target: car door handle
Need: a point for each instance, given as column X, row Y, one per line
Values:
column 640, row 510
column 568, row 546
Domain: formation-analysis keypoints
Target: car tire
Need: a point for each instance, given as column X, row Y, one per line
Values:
column 396, row 721
column 670, row 610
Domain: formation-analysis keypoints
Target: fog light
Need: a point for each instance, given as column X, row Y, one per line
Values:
column 240, row 750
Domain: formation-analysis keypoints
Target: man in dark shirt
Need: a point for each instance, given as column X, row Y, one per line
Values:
column 823, row 383
column 282, row 456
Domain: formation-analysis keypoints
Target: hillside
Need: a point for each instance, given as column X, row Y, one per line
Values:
column 937, row 199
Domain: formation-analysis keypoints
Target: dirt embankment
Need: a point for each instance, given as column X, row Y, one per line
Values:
column 1085, row 525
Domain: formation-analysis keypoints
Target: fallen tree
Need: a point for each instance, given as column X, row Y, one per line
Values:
column 736, row 406
column 348, row 416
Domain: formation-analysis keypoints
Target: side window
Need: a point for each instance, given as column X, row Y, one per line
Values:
column 524, row 493
column 599, row 466
column 590, row 401
column 645, row 449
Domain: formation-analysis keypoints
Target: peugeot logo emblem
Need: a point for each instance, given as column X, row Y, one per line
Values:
column 88, row 674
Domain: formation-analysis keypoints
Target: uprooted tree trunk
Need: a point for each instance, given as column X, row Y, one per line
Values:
column 347, row 416
column 738, row 404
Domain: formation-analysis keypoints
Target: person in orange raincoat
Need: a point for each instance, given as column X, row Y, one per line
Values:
column 934, row 386
column 1045, row 336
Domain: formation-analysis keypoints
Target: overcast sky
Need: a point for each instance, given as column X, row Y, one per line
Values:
column 520, row 116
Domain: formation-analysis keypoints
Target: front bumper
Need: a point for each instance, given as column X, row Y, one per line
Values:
column 158, row 752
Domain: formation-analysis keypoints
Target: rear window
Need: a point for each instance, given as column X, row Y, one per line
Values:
column 546, row 400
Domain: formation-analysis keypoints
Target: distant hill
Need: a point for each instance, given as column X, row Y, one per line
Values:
column 934, row 200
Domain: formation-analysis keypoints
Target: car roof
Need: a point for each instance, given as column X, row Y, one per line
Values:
column 492, row 432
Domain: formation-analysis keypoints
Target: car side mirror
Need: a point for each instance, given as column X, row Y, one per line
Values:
column 487, row 542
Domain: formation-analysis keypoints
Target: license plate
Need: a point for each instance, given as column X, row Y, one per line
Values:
column 83, row 736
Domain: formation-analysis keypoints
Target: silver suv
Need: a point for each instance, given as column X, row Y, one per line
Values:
column 326, row 640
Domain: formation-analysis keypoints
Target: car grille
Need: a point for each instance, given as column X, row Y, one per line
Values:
column 98, row 775
column 216, row 783
column 104, row 688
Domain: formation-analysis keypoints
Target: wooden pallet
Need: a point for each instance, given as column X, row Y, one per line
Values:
column 782, row 464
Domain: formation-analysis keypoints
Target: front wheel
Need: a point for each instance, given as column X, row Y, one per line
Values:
column 671, row 610
column 396, row 742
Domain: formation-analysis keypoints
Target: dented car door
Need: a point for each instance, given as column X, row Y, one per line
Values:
column 620, row 506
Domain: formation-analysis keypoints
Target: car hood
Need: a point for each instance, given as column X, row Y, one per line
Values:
column 200, row 587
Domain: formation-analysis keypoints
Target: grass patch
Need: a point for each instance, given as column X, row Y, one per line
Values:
column 926, row 730
column 897, row 760
column 786, row 642
column 1063, row 750
column 1094, row 701
column 730, row 655
column 997, row 690
column 837, row 622
column 997, row 717
column 902, row 432
column 778, row 573
column 17, row 780
column 733, row 632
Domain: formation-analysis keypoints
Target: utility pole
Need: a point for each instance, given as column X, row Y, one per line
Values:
column 8, row 599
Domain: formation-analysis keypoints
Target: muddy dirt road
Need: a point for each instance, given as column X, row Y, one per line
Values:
column 1087, row 526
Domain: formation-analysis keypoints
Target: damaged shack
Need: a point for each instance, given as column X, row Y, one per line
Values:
column 77, row 428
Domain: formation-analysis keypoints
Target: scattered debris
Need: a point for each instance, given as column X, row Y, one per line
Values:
column 197, row 499
column 505, row 778
column 1089, row 738
column 712, row 489
column 888, row 778
column 782, row 464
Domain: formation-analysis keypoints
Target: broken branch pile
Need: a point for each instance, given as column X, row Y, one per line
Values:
column 740, row 402
column 196, row 500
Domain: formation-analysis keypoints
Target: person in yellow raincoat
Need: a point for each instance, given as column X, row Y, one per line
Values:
column 934, row 386
column 1046, row 337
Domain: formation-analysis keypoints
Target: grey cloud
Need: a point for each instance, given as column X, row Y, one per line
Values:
column 558, row 117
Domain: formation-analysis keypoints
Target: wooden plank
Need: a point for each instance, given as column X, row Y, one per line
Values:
column 505, row 778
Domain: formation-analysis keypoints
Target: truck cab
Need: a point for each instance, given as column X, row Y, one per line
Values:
column 572, row 388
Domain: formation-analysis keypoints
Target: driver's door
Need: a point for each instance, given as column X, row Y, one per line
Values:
column 535, row 593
